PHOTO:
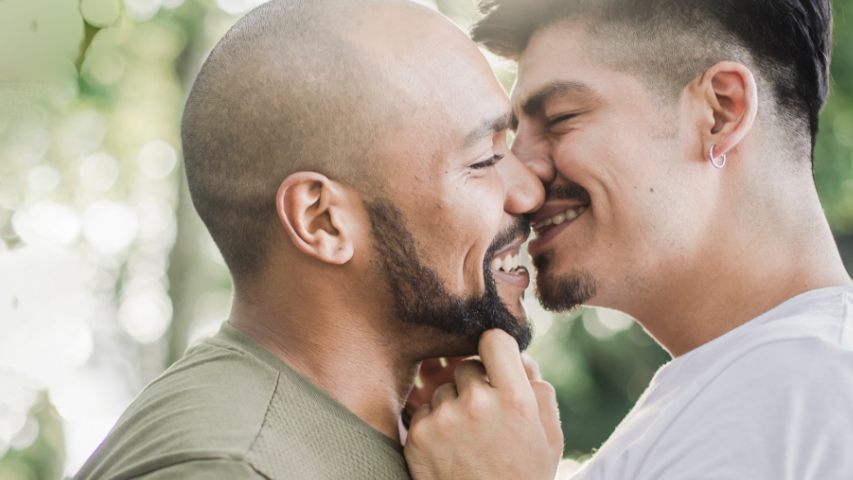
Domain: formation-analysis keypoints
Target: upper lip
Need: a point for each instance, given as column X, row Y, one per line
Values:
column 553, row 208
column 515, row 245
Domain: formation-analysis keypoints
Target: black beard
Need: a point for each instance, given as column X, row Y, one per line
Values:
column 419, row 296
column 564, row 292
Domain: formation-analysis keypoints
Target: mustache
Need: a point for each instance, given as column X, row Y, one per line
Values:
column 571, row 191
column 519, row 227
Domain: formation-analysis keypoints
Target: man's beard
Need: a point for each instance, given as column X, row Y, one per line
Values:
column 561, row 293
column 420, row 297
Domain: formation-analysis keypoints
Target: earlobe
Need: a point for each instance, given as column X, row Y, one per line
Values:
column 315, row 213
column 731, row 99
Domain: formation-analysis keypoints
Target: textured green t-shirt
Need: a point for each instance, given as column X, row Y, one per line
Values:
column 231, row 409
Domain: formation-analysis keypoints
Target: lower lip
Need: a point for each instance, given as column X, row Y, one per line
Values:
column 540, row 243
column 520, row 279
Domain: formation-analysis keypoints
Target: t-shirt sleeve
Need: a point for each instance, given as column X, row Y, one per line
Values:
column 783, row 410
column 213, row 469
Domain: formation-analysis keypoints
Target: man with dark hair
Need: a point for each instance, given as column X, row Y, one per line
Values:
column 349, row 158
column 675, row 139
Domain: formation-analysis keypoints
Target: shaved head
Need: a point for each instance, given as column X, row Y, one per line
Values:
column 286, row 90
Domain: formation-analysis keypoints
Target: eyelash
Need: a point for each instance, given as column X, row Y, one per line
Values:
column 560, row 119
column 488, row 163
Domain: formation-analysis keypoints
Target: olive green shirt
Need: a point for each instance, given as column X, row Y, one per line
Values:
column 231, row 409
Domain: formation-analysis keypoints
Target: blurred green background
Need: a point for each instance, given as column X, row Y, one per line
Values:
column 106, row 272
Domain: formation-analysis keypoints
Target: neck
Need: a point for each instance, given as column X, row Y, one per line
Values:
column 744, row 274
column 348, row 355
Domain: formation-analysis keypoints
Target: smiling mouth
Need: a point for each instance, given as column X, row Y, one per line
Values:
column 570, row 214
column 506, row 261
column 510, row 263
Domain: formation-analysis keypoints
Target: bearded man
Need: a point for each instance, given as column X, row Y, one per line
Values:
column 675, row 141
column 349, row 158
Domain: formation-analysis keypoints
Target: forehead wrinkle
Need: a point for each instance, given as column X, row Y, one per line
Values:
column 558, row 89
column 488, row 127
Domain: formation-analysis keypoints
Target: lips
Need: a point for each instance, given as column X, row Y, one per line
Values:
column 558, row 219
column 506, row 263
column 552, row 219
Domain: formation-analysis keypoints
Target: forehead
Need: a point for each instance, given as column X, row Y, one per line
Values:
column 558, row 54
column 447, row 96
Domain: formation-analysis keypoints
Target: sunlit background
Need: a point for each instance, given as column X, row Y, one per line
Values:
column 106, row 272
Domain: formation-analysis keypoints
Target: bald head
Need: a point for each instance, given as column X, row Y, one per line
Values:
column 296, row 85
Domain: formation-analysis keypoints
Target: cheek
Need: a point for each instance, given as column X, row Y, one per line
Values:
column 478, row 215
column 454, row 224
column 625, row 186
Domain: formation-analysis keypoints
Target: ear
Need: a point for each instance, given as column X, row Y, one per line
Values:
column 316, row 213
column 729, row 103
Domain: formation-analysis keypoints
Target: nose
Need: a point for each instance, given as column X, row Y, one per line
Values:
column 524, row 192
column 534, row 155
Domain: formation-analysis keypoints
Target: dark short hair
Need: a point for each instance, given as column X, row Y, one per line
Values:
column 788, row 42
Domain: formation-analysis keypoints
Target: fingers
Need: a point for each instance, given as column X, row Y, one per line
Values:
column 549, row 414
column 422, row 412
column 468, row 373
column 444, row 393
column 531, row 368
column 499, row 353
column 431, row 375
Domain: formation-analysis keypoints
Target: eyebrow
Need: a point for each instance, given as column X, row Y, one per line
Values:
column 489, row 127
column 534, row 105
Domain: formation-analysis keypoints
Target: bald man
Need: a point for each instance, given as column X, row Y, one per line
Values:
column 350, row 160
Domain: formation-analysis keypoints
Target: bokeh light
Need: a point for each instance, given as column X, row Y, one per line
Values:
column 110, row 227
column 99, row 172
column 47, row 223
column 157, row 159
column 107, row 273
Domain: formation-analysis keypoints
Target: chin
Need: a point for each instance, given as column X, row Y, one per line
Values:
column 564, row 292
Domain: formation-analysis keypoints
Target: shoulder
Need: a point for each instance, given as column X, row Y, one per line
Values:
column 780, row 409
column 209, row 406
column 212, row 382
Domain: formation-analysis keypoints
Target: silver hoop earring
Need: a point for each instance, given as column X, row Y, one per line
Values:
column 714, row 162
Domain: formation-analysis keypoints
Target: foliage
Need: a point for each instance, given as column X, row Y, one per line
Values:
column 90, row 98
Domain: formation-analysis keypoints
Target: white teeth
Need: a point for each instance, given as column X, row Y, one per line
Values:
column 569, row 214
column 506, row 264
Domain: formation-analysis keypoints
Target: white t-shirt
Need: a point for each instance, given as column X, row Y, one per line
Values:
column 770, row 400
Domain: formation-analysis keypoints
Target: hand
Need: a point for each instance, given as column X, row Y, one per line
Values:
column 433, row 374
column 499, row 421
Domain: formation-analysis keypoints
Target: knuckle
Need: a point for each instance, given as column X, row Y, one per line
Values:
column 477, row 400
column 544, row 389
column 444, row 418
column 416, row 435
column 516, row 399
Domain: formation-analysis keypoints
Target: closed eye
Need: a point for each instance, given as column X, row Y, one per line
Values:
column 487, row 163
column 561, row 119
